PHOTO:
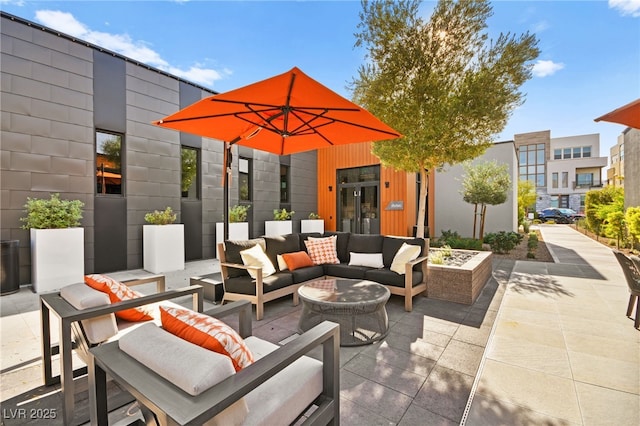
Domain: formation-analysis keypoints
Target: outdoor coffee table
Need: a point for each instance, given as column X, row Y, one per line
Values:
column 357, row 305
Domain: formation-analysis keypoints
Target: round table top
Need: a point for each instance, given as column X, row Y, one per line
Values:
column 343, row 291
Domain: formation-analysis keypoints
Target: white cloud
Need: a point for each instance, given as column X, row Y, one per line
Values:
column 541, row 26
column 626, row 7
column 546, row 68
column 13, row 2
column 124, row 45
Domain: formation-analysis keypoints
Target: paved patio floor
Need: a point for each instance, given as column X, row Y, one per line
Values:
column 545, row 343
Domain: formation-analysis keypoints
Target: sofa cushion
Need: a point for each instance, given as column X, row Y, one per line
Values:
column 309, row 273
column 208, row 332
column 387, row 277
column 322, row 250
column 303, row 236
column 246, row 285
column 232, row 251
column 118, row 292
column 372, row 260
column 81, row 296
column 342, row 243
column 365, row 243
column 255, row 256
column 407, row 253
column 281, row 244
column 297, row 260
column 391, row 245
column 281, row 399
column 343, row 270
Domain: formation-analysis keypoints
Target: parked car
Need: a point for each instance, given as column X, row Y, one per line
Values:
column 572, row 213
column 555, row 214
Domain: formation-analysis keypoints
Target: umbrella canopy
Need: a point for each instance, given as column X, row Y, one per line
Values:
column 284, row 114
column 628, row 114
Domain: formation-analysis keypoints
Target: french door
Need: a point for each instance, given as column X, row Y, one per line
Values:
column 358, row 207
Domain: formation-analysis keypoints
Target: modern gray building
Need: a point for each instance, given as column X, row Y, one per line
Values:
column 76, row 120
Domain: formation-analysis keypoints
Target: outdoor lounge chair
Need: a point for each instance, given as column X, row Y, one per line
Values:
column 632, row 275
column 282, row 386
column 91, row 324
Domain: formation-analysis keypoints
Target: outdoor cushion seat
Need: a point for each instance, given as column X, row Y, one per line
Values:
column 388, row 277
column 307, row 273
column 344, row 270
column 247, row 285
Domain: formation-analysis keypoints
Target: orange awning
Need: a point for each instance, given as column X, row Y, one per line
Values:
column 628, row 115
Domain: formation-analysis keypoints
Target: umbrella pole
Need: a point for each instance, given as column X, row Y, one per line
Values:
column 225, row 195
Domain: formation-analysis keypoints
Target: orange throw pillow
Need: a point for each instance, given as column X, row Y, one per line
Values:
column 298, row 259
column 208, row 332
column 118, row 292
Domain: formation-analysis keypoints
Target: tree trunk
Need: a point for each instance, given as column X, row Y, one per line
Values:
column 422, row 202
column 475, row 219
column 483, row 213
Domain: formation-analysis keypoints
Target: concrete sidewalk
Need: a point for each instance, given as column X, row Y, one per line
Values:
column 562, row 350
column 545, row 343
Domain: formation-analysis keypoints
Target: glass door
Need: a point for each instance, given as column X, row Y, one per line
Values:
column 359, row 208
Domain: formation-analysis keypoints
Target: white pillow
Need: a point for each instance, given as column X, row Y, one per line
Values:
column 255, row 256
column 282, row 265
column 372, row 260
column 406, row 253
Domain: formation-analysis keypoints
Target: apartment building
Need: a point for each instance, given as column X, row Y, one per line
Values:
column 563, row 169
column 615, row 172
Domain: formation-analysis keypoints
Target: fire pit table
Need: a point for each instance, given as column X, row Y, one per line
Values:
column 357, row 305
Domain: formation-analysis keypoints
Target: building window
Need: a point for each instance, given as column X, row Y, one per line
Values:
column 564, row 201
column 108, row 163
column 557, row 154
column 577, row 152
column 554, row 180
column 583, row 199
column 532, row 163
column 565, row 179
column 586, row 151
column 244, row 177
column 553, row 201
column 566, row 153
column 284, row 184
column 189, row 173
column 584, row 180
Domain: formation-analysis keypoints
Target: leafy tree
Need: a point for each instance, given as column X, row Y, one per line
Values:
column 596, row 200
column 526, row 198
column 485, row 184
column 612, row 216
column 441, row 83
column 632, row 220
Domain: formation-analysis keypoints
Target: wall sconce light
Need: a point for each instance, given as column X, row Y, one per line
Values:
column 330, row 188
column 386, row 184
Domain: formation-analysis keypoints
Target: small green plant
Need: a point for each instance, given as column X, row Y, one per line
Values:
column 282, row 214
column 313, row 216
column 503, row 242
column 532, row 245
column 165, row 217
column 53, row 213
column 238, row 213
column 436, row 258
column 526, row 226
column 446, row 251
column 448, row 237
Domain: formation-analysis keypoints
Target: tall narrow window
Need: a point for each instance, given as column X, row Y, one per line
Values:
column 565, row 179
column 189, row 173
column 244, row 175
column 284, row 184
column 532, row 163
column 554, row 180
column 108, row 163
column 586, row 151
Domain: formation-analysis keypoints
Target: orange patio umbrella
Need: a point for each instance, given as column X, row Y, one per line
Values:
column 628, row 114
column 284, row 114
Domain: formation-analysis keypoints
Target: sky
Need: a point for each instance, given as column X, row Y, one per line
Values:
column 589, row 62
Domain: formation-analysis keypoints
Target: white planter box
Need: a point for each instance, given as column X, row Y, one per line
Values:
column 57, row 258
column 312, row 225
column 273, row 228
column 163, row 247
column 237, row 231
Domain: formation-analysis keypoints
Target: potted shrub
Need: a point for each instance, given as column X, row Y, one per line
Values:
column 162, row 242
column 57, row 242
column 313, row 224
column 238, row 225
column 281, row 223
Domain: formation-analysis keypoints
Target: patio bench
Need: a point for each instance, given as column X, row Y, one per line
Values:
column 283, row 386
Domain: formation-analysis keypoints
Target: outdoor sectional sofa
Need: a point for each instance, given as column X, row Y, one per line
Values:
column 239, row 285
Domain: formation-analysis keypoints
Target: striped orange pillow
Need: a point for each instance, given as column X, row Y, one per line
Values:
column 208, row 332
column 118, row 292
